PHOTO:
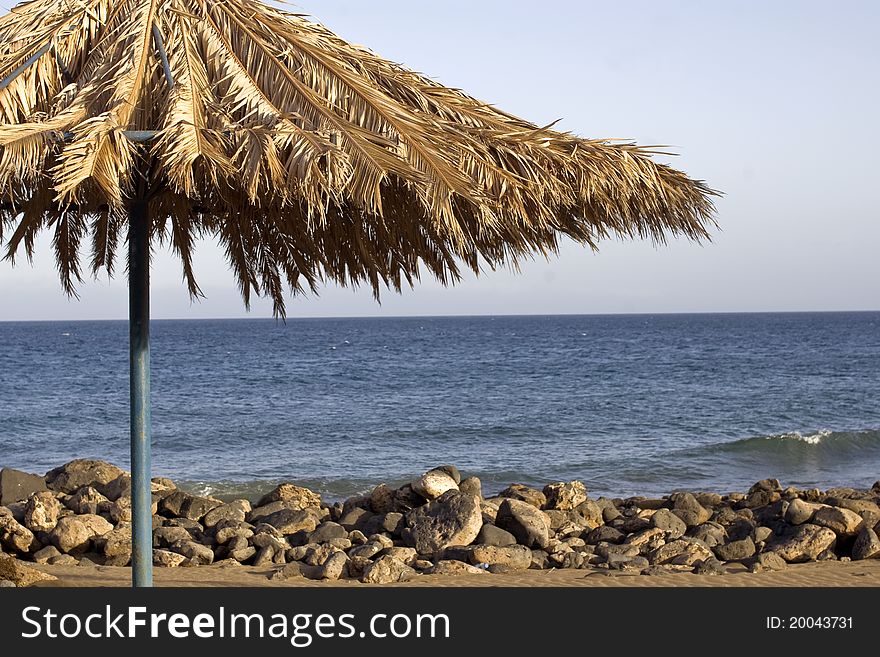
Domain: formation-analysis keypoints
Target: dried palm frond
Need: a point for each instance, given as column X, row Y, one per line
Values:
column 308, row 158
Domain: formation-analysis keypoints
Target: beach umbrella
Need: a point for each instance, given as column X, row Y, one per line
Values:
column 311, row 160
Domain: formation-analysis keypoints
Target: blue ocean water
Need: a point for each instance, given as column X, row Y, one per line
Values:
column 629, row 404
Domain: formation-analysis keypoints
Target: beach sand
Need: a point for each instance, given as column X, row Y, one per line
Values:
column 824, row 574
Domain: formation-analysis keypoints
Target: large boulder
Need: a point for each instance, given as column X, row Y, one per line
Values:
column 288, row 521
column 387, row 570
column 669, row 522
column 686, row 507
column 492, row 535
column 73, row 534
column 233, row 511
column 800, row 511
column 453, row 519
column 528, row 524
column 12, row 570
column 525, row 494
column 842, row 522
column 515, row 557
column 41, row 512
column 867, row 545
column 433, row 484
column 16, row 485
column 14, row 536
column 736, row 550
column 81, row 472
column 296, row 497
column 183, row 505
column 565, row 496
column 87, row 500
column 806, row 543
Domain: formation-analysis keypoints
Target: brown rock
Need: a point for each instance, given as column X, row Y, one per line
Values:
column 528, row 524
column 565, row 496
column 16, row 486
column 296, row 497
column 453, row 519
column 842, row 522
column 81, row 472
column 19, row 574
column 806, row 543
column 41, row 512
column 517, row 557
column 387, row 570
column 454, row 568
column 525, row 494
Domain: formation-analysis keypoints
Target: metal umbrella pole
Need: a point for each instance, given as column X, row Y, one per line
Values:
column 139, row 379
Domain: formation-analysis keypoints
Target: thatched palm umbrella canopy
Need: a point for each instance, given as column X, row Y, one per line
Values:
column 310, row 159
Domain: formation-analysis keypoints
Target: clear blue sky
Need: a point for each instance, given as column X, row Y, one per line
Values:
column 775, row 103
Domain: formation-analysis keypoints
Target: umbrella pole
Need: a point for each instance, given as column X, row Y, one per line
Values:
column 139, row 378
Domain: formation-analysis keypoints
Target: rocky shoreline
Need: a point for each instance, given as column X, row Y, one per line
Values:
column 439, row 524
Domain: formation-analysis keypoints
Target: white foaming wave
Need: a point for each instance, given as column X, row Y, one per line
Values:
column 810, row 438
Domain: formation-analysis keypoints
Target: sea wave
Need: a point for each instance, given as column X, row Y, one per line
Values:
column 824, row 440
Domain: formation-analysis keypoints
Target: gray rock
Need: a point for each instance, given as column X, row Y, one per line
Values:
column 471, row 486
column 517, row 557
column 242, row 554
column 711, row 533
column 183, row 505
column 689, row 510
column 288, row 521
column 198, row 554
column 43, row 556
column 525, row 494
column 81, row 472
column 433, row 484
column 735, row 550
column 121, row 487
column 771, row 561
column 540, row 560
column 867, row 545
column 41, row 512
column 528, row 524
column 565, row 496
column 16, row 485
column 167, row 536
column 762, row 534
column 233, row 511
column 627, row 563
column 265, row 557
column 492, row 535
column 335, row 566
column 710, row 567
column 63, row 560
column 604, row 534
column 382, row 499
column 453, row 519
column 806, row 543
column 328, row 531
column 290, row 571
column 295, row 497
column 387, row 570
column 842, row 522
column 669, row 522
column 117, row 542
column 799, row 511
column 355, row 518
column 73, row 534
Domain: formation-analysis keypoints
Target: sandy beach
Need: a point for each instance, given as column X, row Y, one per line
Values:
column 828, row 574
